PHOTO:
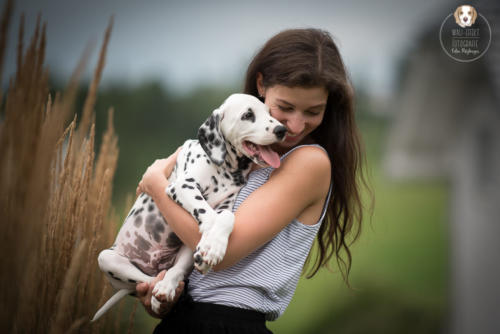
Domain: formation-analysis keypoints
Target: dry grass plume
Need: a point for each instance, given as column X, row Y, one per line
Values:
column 55, row 197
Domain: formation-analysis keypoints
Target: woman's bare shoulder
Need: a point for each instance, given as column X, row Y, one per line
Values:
column 311, row 160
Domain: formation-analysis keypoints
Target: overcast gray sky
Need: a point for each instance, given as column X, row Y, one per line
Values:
column 186, row 43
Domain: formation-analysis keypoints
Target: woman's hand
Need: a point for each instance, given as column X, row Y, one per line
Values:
column 145, row 292
column 156, row 174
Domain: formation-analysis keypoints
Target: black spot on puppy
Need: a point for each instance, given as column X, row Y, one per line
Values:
column 248, row 116
column 142, row 243
column 138, row 221
column 154, row 227
column 114, row 277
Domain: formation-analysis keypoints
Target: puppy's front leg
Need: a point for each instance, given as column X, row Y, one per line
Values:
column 165, row 289
column 187, row 194
column 212, row 246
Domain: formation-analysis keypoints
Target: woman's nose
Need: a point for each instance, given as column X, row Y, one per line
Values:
column 295, row 124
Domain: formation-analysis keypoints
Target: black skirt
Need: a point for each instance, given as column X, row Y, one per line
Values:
column 191, row 317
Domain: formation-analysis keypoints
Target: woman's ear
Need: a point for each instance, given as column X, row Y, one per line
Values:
column 260, row 84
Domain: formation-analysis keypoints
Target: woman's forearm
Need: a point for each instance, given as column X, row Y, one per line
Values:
column 181, row 222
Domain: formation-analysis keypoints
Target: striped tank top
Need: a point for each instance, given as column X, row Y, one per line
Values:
column 266, row 279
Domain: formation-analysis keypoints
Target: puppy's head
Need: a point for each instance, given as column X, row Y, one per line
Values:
column 465, row 16
column 243, row 122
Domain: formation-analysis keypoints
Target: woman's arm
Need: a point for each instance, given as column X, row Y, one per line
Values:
column 296, row 190
column 154, row 182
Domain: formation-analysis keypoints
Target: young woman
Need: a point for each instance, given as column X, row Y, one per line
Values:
column 314, row 194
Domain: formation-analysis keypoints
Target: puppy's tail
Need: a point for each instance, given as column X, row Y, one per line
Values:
column 112, row 301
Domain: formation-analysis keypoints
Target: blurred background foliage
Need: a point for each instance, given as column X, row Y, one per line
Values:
column 399, row 269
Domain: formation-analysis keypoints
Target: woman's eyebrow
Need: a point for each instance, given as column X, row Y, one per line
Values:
column 321, row 105
column 285, row 102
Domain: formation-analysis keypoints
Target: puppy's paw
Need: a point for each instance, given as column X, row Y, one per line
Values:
column 164, row 290
column 155, row 305
column 199, row 265
column 210, row 251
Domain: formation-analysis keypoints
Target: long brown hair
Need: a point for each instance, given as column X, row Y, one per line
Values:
column 310, row 58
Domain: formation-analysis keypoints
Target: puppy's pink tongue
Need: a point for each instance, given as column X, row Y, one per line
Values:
column 269, row 156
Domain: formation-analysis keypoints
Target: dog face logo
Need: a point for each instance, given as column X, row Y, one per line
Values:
column 465, row 16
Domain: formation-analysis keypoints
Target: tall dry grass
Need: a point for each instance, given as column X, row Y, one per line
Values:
column 55, row 197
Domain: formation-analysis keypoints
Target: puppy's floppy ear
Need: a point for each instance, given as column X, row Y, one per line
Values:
column 474, row 15
column 456, row 14
column 211, row 137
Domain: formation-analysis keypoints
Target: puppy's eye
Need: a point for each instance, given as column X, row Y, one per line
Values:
column 248, row 115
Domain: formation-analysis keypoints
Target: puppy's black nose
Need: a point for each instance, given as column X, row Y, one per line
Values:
column 280, row 132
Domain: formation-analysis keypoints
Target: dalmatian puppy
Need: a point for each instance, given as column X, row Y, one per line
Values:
column 465, row 16
column 206, row 178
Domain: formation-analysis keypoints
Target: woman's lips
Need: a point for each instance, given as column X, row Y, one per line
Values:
column 291, row 139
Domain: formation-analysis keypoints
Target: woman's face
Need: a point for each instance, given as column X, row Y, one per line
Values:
column 299, row 109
